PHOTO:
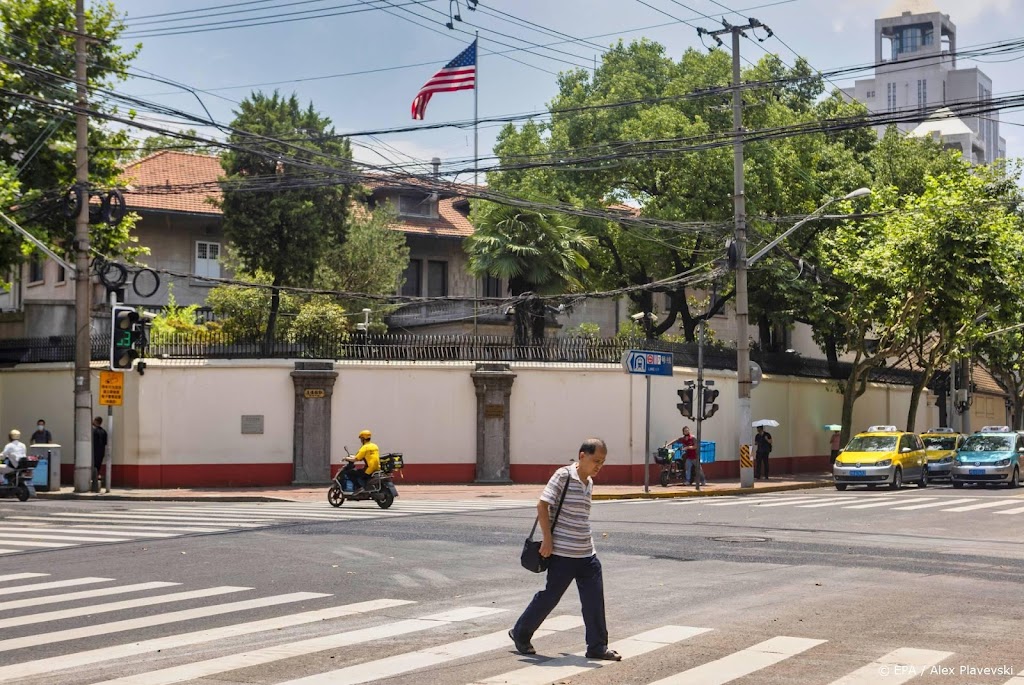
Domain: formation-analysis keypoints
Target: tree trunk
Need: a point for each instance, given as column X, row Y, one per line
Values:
column 275, row 305
column 832, row 355
column 851, row 392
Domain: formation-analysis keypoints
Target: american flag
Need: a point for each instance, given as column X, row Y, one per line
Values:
column 459, row 74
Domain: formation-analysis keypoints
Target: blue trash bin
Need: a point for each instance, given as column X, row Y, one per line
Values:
column 707, row 452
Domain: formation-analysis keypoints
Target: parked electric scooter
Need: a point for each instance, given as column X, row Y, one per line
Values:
column 19, row 481
column 380, row 487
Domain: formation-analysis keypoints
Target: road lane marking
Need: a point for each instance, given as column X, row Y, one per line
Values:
column 871, row 505
column 743, row 662
column 155, row 620
column 835, row 503
column 116, row 527
column 894, row 668
column 983, row 505
column 563, row 668
column 19, row 671
column 84, row 594
column 431, row 656
column 258, row 657
column 52, row 585
column 35, row 543
column 48, row 529
column 237, row 522
column 796, row 500
column 1010, row 512
column 21, row 576
column 941, row 503
column 45, row 617
column 59, row 538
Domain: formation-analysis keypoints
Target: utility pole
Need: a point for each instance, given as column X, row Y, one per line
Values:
column 83, row 337
column 745, row 432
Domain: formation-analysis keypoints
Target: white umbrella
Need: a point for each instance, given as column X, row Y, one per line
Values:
column 771, row 423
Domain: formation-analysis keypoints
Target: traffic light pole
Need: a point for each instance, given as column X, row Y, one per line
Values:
column 700, row 398
column 647, row 439
column 83, row 337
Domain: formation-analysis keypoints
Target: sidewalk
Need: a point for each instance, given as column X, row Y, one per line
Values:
column 529, row 491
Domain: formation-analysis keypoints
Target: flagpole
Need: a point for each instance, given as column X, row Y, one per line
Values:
column 476, row 164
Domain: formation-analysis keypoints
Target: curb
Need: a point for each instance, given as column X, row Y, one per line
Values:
column 713, row 493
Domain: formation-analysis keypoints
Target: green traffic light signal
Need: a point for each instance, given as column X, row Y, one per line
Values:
column 127, row 337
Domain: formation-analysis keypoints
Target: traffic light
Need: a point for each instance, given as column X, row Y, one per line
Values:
column 127, row 337
column 686, row 406
column 710, row 407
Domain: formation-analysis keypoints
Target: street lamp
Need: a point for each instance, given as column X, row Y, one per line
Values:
column 743, row 338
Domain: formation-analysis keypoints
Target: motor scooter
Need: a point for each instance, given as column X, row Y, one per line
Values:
column 380, row 487
column 19, row 481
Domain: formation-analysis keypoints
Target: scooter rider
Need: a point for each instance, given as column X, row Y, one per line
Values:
column 368, row 453
column 13, row 451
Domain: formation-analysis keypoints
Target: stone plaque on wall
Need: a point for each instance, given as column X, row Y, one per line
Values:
column 252, row 424
column 494, row 411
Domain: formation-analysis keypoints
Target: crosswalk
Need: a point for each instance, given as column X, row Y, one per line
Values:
column 174, row 650
column 887, row 501
column 53, row 530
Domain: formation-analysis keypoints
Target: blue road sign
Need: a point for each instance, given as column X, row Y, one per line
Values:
column 647, row 363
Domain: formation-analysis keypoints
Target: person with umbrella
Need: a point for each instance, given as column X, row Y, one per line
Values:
column 763, row 447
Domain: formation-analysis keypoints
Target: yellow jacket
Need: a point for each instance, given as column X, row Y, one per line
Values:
column 369, row 453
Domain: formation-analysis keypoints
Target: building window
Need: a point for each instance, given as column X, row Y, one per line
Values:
column 35, row 269
column 437, row 279
column 492, row 286
column 922, row 93
column 410, row 205
column 207, row 259
column 62, row 274
column 413, row 283
column 890, row 96
column 871, row 95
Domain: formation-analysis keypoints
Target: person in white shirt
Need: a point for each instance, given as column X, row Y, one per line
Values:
column 13, row 451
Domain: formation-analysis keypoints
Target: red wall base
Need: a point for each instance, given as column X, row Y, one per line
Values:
column 280, row 474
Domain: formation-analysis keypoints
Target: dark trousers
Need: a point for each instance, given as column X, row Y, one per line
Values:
column 589, row 581
column 761, row 463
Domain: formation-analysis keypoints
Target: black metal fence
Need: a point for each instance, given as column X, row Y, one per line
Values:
column 467, row 348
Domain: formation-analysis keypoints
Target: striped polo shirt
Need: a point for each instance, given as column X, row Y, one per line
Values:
column 571, row 536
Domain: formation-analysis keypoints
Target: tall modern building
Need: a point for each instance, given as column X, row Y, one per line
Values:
column 916, row 68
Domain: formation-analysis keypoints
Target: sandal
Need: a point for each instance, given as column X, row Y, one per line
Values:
column 606, row 655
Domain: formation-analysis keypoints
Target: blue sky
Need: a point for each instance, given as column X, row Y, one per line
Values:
column 829, row 33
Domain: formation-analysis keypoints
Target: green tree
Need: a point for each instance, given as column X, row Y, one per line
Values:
column 244, row 311
column 536, row 252
column 371, row 260
column 1001, row 355
column 920, row 271
column 321, row 326
column 785, row 177
column 38, row 142
column 284, row 227
column 153, row 144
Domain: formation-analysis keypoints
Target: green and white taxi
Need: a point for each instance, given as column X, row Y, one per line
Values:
column 992, row 455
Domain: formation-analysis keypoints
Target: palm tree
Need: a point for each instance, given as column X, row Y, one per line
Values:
column 538, row 253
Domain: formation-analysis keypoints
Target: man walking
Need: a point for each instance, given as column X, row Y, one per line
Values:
column 99, row 451
column 570, row 550
column 763, row 443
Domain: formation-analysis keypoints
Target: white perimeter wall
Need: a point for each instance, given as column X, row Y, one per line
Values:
column 188, row 413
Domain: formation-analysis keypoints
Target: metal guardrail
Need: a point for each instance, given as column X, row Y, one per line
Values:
column 467, row 348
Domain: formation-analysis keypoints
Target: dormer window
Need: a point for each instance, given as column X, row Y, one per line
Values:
column 416, row 205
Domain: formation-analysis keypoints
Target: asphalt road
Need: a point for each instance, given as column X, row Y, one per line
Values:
column 803, row 587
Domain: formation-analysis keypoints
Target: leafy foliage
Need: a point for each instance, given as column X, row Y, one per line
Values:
column 244, row 311
column 282, row 229
column 174, row 321
column 319, row 327
column 38, row 143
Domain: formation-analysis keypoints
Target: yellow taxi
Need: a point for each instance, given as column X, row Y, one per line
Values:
column 941, row 445
column 882, row 455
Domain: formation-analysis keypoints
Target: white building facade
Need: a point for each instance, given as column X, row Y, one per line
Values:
column 916, row 70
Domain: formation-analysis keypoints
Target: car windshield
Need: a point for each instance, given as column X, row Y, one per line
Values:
column 872, row 443
column 940, row 443
column 986, row 443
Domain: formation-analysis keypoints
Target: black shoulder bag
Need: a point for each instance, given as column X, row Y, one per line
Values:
column 531, row 558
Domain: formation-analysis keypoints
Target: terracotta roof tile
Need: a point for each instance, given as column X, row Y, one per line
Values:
column 174, row 182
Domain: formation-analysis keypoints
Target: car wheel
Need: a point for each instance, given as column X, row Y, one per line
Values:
column 840, row 486
column 957, row 484
column 335, row 496
column 1015, row 481
column 665, row 476
column 897, row 479
column 923, row 481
